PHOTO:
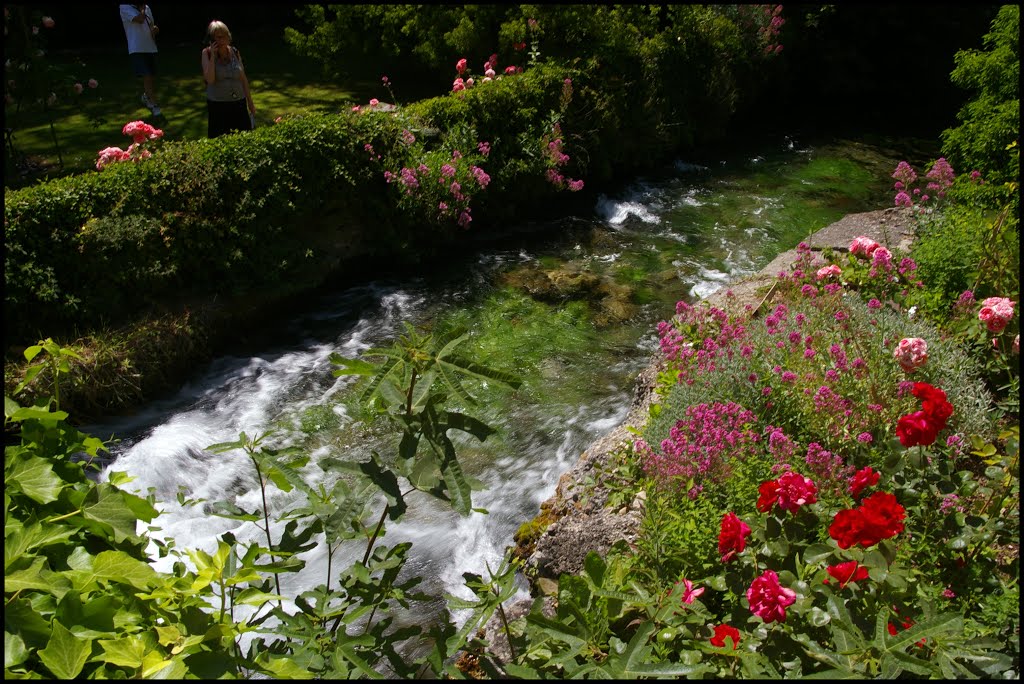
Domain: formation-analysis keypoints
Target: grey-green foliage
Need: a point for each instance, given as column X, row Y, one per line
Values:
column 990, row 121
column 949, row 367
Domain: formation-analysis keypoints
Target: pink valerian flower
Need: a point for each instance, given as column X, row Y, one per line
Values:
column 447, row 171
column 575, row 185
column 408, row 177
column 863, row 245
column 460, row 66
column 828, row 272
column 464, row 218
column 481, row 176
column 93, row 83
column 408, row 137
column 484, row 148
column 996, row 313
column 768, row 599
column 78, row 87
column 456, row 155
column 442, row 207
column 903, row 200
column 874, row 304
column 911, row 353
column 948, row 593
column 905, row 174
column 689, row 593
column 941, row 176
column 881, row 261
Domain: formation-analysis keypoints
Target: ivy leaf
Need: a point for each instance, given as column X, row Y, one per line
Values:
column 125, row 652
column 35, row 478
column 105, row 504
column 15, row 652
column 36, row 576
column 65, row 654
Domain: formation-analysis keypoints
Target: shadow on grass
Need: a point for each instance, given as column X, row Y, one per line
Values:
column 282, row 84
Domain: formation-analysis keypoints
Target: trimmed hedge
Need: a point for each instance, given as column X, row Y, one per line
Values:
column 259, row 211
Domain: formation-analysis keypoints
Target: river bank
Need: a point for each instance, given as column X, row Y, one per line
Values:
column 576, row 519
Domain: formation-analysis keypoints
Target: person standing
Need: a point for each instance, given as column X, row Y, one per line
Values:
column 229, row 104
column 141, row 30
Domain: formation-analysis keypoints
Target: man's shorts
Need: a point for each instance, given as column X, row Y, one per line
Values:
column 143, row 63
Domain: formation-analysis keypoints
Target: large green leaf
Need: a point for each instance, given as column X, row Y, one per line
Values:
column 125, row 652
column 65, row 654
column 19, row 540
column 460, row 421
column 36, row 576
column 480, row 371
column 384, row 478
column 113, row 566
column 35, row 478
column 945, row 623
column 455, row 480
column 106, row 504
column 15, row 652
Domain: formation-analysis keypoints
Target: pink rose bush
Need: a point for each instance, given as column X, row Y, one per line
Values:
column 768, row 599
column 828, row 272
column 141, row 133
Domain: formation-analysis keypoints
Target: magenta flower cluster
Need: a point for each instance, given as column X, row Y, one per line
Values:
column 700, row 445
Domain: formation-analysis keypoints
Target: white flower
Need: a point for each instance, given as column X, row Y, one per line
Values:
column 911, row 312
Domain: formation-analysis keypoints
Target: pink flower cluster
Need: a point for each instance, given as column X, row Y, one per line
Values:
column 140, row 132
column 463, row 81
column 557, row 158
column 911, row 353
column 828, row 272
column 996, row 313
column 863, row 246
column 940, row 177
column 700, row 445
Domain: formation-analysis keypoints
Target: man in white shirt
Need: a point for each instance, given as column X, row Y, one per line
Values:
column 141, row 30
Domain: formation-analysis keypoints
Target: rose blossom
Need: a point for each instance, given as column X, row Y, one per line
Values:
column 78, row 88
column 996, row 312
column 460, row 66
column 911, row 353
column 863, row 245
column 723, row 631
column 732, row 536
column 827, row 271
column 847, row 572
column 861, row 480
column 916, row 429
column 790, row 491
column 768, row 599
column 879, row 517
column 689, row 593
column 93, row 83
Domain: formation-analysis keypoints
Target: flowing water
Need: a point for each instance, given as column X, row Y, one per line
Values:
column 678, row 235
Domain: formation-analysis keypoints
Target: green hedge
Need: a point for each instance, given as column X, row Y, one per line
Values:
column 259, row 211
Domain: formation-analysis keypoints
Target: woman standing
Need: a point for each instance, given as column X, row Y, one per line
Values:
column 228, row 100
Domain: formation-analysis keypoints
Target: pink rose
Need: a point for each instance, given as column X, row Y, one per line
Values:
column 48, row 22
column 911, row 353
column 460, row 66
column 374, row 102
column 863, row 245
column 509, row 70
column 768, row 599
column 996, row 313
column 689, row 593
column 470, row 82
column 828, row 271
column 458, row 85
column 356, row 108
column 93, row 83
column 489, row 73
column 78, row 88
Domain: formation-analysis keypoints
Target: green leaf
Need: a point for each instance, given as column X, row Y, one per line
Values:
column 945, row 623
column 65, row 654
column 282, row 667
column 115, row 566
column 351, row 366
column 15, row 652
column 106, row 504
column 36, row 535
column 126, row 652
column 36, row 576
column 480, row 371
column 475, row 427
column 35, row 478
column 815, row 553
column 455, row 481
column 384, row 478
column 41, row 413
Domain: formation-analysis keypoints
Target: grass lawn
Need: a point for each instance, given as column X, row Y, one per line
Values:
column 281, row 82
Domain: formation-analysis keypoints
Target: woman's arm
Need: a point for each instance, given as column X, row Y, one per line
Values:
column 245, row 84
column 209, row 70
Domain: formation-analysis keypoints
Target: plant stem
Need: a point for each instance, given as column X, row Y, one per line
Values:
column 62, row 517
column 266, row 524
column 508, row 632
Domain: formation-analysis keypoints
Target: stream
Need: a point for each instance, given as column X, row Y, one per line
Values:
column 681, row 233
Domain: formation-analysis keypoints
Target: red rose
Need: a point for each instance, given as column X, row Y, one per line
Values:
column 849, row 571
column 916, row 428
column 846, row 527
column 768, row 495
column 861, row 480
column 732, row 537
column 722, row 631
column 933, row 403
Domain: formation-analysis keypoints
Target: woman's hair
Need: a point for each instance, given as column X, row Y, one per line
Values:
column 217, row 26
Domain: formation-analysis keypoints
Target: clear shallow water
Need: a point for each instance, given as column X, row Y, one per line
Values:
column 680, row 234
